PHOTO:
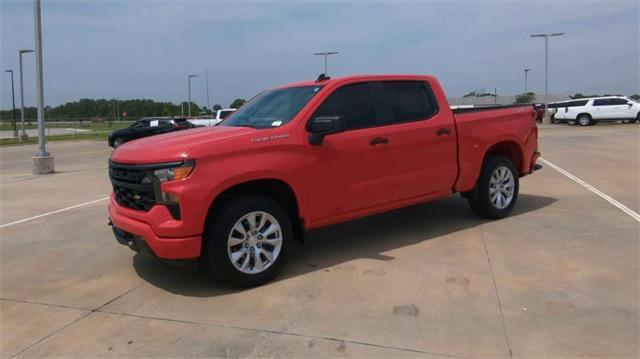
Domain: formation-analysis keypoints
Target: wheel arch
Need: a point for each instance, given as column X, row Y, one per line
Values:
column 509, row 149
column 278, row 189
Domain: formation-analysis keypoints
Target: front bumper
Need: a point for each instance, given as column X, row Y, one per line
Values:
column 138, row 235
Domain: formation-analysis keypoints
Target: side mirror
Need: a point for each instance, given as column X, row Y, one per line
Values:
column 322, row 126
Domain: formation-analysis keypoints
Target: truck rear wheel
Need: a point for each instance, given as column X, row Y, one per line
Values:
column 246, row 242
column 496, row 192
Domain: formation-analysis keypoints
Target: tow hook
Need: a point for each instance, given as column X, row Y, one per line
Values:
column 537, row 167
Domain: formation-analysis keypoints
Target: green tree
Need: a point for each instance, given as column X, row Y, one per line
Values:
column 237, row 103
column 635, row 97
column 217, row 107
column 526, row 97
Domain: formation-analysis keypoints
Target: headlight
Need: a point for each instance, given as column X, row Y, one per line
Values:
column 174, row 173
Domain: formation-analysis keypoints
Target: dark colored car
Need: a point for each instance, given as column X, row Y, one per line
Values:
column 146, row 127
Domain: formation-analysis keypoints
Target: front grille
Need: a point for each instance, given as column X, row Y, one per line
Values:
column 135, row 199
column 126, row 175
column 132, row 186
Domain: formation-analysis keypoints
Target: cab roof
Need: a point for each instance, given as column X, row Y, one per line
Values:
column 357, row 78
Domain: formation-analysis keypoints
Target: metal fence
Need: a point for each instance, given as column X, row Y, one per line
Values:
column 75, row 127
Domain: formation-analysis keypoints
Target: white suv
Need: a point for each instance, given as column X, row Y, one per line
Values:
column 590, row 111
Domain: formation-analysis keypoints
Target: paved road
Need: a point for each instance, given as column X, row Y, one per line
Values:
column 558, row 278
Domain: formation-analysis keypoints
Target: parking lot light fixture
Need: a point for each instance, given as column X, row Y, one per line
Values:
column 42, row 160
column 13, row 100
column 189, row 85
column 546, row 59
column 326, row 54
column 23, row 133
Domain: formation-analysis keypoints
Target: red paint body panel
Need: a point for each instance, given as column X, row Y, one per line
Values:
column 169, row 248
column 344, row 178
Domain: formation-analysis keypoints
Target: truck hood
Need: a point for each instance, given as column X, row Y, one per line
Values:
column 174, row 146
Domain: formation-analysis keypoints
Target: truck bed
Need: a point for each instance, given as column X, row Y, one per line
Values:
column 511, row 126
column 477, row 108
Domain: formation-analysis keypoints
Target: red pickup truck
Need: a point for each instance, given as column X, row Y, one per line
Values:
column 307, row 155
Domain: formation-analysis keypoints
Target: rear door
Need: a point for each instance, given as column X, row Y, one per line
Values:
column 602, row 109
column 351, row 171
column 422, row 139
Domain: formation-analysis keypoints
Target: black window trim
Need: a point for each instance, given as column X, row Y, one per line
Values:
column 379, row 122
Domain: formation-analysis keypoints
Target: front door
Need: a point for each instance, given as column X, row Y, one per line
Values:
column 350, row 171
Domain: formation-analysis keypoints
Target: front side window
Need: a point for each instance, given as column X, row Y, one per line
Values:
column 405, row 101
column 353, row 103
column 272, row 108
column 618, row 101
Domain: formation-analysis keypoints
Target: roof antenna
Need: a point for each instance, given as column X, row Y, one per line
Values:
column 322, row 77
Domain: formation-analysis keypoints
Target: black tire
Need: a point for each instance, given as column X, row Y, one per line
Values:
column 216, row 258
column 479, row 198
column 118, row 142
column 632, row 120
column 571, row 122
column 584, row 120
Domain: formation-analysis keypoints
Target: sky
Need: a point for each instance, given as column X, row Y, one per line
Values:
column 146, row 49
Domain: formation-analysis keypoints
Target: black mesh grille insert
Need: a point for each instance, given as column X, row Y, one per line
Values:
column 132, row 187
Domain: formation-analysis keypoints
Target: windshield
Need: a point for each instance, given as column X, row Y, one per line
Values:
column 272, row 108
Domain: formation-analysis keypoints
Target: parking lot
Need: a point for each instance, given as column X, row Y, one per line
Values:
column 559, row 277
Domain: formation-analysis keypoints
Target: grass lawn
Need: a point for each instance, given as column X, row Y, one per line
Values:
column 85, row 125
column 99, row 136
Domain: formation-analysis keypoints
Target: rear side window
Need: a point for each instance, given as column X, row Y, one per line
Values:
column 577, row 103
column 353, row 103
column 405, row 101
column 602, row 102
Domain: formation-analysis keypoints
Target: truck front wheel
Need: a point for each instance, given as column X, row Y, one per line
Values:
column 246, row 242
column 496, row 192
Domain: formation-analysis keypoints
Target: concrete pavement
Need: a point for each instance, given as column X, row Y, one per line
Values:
column 557, row 278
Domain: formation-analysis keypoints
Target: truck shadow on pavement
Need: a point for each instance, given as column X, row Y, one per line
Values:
column 366, row 238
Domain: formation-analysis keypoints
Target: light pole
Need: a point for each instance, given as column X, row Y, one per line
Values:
column 326, row 54
column 525, row 80
column 42, row 160
column 206, row 77
column 546, row 59
column 189, row 82
column 13, row 100
column 23, row 133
